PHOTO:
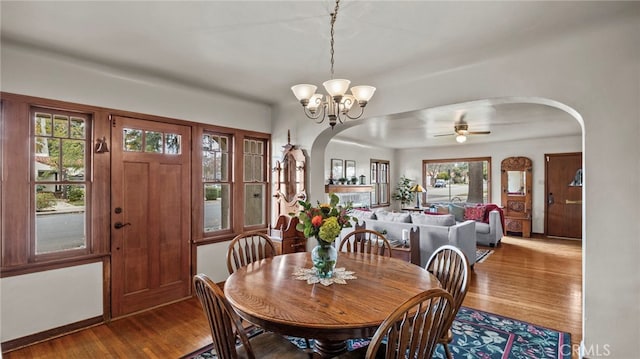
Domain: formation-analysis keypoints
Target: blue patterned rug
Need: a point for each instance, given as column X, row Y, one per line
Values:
column 482, row 335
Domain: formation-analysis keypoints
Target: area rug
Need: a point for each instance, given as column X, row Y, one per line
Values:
column 482, row 254
column 478, row 334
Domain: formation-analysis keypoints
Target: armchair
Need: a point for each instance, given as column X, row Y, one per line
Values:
column 490, row 234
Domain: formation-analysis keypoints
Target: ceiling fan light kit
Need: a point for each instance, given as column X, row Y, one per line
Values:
column 337, row 104
column 461, row 131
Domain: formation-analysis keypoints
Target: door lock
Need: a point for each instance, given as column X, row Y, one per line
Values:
column 119, row 225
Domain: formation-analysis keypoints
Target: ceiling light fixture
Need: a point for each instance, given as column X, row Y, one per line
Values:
column 336, row 105
column 461, row 138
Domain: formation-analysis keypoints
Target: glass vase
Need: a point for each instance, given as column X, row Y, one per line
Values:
column 324, row 257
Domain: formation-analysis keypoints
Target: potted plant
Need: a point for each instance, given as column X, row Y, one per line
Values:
column 403, row 191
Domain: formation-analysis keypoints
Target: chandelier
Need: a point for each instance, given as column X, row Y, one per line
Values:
column 337, row 104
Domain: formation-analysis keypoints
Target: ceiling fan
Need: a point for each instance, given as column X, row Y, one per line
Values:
column 461, row 130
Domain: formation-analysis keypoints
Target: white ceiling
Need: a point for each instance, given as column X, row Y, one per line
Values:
column 258, row 49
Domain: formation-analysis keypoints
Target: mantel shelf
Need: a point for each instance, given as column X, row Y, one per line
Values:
column 332, row 188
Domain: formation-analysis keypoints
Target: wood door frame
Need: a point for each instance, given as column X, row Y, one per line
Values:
column 546, row 185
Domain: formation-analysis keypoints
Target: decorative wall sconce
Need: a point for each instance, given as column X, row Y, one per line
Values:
column 101, row 145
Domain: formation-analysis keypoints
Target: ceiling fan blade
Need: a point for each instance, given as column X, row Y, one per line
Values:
column 479, row 132
column 444, row 134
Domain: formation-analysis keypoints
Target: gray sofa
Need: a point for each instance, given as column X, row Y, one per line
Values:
column 435, row 231
column 487, row 234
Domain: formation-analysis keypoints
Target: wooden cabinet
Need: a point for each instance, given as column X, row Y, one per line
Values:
column 286, row 237
column 517, row 181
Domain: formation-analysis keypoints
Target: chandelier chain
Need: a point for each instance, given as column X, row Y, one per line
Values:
column 334, row 15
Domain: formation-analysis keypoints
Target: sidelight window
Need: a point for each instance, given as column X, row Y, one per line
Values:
column 60, row 183
column 216, row 169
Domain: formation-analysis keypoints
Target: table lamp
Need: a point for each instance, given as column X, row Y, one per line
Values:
column 417, row 189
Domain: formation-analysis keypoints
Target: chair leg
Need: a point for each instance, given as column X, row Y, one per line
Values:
column 447, row 352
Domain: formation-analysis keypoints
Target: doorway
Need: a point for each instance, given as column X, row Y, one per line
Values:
column 150, row 214
column 563, row 188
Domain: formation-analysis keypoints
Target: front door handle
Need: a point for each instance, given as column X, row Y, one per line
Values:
column 119, row 225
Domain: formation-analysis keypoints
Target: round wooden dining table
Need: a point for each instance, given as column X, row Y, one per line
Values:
column 267, row 294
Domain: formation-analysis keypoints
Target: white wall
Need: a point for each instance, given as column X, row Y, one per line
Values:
column 36, row 302
column 410, row 162
column 212, row 261
column 42, row 74
column 594, row 76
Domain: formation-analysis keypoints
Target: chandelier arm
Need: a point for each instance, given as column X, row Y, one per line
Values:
column 319, row 115
column 359, row 115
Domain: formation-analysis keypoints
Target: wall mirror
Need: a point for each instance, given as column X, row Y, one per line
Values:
column 349, row 169
column 337, row 170
column 516, row 183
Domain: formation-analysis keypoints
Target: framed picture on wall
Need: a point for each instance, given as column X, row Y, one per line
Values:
column 349, row 169
column 337, row 169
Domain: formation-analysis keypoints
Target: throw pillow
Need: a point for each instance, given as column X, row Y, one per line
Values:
column 361, row 214
column 475, row 213
column 393, row 216
column 441, row 220
column 457, row 211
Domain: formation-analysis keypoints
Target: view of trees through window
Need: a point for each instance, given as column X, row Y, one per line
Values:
column 457, row 180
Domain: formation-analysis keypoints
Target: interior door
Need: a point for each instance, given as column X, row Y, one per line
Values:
column 150, row 226
column 563, row 210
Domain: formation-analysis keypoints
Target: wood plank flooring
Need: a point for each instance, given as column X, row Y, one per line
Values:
column 535, row 280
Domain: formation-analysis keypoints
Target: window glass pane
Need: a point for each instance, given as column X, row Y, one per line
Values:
column 224, row 144
column 73, row 159
column 47, row 159
column 42, row 146
column 61, row 126
column 216, row 207
column 60, row 218
column 224, row 166
column 173, row 144
column 457, row 181
column 77, row 128
column 153, row 142
column 248, row 168
column 247, row 146
column 257, row 169
column 254, row 204
column 43, row 124
column 132, row 140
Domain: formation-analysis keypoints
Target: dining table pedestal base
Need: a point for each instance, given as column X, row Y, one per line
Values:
column 329, row 348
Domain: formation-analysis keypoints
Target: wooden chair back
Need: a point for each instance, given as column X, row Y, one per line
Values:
column 247, row 248
column 451, row 267
column 414, row 328
column 224, row 322
column 366, row 241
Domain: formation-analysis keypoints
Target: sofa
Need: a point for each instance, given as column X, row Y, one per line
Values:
column 489, row 220
column 434, row 231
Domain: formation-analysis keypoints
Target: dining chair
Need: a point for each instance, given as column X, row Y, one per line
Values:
column 229, row 339
column 412, row 330
column 451, row 267
column 366, row 241
column 247, row 248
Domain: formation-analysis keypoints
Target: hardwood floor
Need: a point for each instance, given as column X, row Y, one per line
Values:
column 535, row 280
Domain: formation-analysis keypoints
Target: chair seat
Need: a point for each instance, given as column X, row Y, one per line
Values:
column 272, row 346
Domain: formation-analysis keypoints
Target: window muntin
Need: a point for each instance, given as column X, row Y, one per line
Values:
column 216, row 167
column 60, row 186
column 380, row 181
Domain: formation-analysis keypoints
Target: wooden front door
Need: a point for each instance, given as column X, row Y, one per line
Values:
column 150, row 214
column 563, row 217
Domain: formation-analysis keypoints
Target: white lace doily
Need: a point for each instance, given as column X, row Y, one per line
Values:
column 340, row 276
